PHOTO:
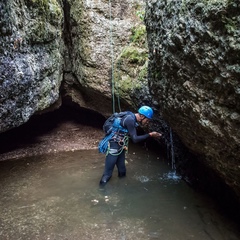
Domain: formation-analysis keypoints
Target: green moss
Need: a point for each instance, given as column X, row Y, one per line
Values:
column 141, row 14
column 126, row 85
column 143, row 73
column 41, row 4
column 38, row 32
column 47, row 15
column 140, row 10
column 134, row 56
column 230, row 24
column 45, row 7
column 139, row 35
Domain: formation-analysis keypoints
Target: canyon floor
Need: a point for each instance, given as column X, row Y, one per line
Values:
column 48, row 134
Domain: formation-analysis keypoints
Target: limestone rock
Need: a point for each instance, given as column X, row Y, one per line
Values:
column 99, row 33
column 194, row 68
column 31, row 62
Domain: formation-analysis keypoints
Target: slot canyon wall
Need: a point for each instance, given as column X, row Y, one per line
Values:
column 194, row 73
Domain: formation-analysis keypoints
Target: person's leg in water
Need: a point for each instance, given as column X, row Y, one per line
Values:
column 110, row 162
column 121, row 164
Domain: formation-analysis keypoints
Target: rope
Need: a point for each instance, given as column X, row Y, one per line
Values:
column 112, row 63
column 103, row 145
column 119, row 107
column 112, row 57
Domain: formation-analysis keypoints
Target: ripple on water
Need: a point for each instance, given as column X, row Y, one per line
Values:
column 171, row 177
column 143, row 179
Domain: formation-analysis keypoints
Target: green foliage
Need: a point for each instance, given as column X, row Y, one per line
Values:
column 41, row 4
column 45, row 7
column 140, row 11
column 141, row 14
column 143, row 73
column 139, row 35
column 230, row 24
column 134, row 56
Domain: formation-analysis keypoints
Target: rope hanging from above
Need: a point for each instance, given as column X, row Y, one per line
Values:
column 112, row 63
column 112, row 56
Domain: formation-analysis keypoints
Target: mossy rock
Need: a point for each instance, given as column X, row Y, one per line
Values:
column 134, row 55
column 49, row 8
column 139, row 35
column 41, row 4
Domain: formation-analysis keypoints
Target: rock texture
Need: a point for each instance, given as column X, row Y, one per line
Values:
column 194, row 51
column 79, row 45
column 31, row 61
column 97, row 34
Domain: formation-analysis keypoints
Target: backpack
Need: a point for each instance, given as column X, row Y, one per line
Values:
column 113, row 123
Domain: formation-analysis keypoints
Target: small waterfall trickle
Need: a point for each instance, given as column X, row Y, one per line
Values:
column 172, row 174
column 172, row 151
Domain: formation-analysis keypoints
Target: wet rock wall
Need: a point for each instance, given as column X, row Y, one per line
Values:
column 31, row 60
column 194, row 74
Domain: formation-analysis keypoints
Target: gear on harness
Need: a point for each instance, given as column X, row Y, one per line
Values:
column 103, row 146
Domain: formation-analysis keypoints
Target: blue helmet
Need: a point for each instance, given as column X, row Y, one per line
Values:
column 146, row 111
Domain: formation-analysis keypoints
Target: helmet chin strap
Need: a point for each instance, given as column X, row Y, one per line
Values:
column 141, row 119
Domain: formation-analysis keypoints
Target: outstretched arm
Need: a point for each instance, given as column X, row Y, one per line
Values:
column 129, row 123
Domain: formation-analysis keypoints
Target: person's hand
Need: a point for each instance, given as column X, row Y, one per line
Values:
column 155, row 134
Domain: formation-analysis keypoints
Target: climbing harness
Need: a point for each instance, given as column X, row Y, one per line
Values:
column 121, row 139
column 104, row 145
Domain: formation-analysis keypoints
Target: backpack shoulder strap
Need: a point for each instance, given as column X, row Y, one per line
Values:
column 127, row 114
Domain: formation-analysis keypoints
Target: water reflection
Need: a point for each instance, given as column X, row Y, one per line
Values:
column 58, row 197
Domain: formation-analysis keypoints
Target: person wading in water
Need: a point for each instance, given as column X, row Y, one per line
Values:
column 117, row 143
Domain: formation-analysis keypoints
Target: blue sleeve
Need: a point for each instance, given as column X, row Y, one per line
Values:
column 129, row 123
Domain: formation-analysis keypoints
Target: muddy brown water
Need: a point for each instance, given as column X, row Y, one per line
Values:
column 57, row 196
